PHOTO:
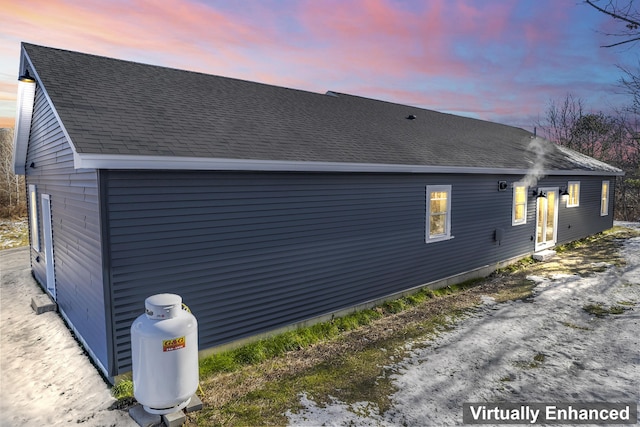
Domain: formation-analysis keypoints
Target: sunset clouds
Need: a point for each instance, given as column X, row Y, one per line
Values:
column 491, row 59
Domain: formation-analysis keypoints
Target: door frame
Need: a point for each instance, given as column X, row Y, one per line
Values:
column 47, row 231
column 546, row 244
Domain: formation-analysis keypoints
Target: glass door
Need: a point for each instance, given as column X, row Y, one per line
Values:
column 546, row 219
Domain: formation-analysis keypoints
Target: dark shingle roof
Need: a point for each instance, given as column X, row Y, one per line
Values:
column 115, row 107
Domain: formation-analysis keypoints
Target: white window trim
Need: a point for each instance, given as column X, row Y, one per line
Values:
column 513, row 206
column 33, row 217
column 604, row 207
column 447, row 235
column 569, row 184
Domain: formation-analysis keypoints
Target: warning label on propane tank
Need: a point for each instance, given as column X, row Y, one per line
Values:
column 174, row 344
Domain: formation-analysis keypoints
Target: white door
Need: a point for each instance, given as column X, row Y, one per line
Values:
column 48, row 244
column 547, row 219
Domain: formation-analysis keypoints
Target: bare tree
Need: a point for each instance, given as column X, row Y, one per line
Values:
column 560, row 120
column 612, row 138
column 624, row 12
column 627, row 157
column 12, row 194
column 630, row 82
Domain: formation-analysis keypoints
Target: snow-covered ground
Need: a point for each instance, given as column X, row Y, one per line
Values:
column 548, row 350
column 45, row 378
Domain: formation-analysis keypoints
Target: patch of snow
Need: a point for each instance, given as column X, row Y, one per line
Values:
column 337, row 413
column 627, row 224
column 601, row 264
column 489, row 356
column 586, row 162
column 487, row 300
column 537, row 279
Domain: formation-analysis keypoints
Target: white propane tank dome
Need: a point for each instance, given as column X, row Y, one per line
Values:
column 163, row 306
column 164, row 355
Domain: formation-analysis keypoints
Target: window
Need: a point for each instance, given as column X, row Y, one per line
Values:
column 574, row 194
column 438, row 213
column 33, row 217
column 519, row 204
column 604, row 199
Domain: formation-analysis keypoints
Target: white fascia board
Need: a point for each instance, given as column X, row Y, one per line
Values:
column 24, row 113
column 136, row 162
column 119, row 161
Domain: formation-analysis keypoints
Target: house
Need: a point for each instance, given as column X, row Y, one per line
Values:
column 266, row 207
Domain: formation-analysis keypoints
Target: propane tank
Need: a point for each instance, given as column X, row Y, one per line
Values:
column 164, row 353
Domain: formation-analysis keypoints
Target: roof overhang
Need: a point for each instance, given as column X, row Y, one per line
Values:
column 136, row 162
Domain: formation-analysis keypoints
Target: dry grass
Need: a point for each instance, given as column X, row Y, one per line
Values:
column 14, row 233
column 409, row 323
column 352, row 366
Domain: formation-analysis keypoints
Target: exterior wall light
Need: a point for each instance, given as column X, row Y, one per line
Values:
column 26, row 78
column 537, row 194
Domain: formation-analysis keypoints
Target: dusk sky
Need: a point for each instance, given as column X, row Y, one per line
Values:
column 497, row 60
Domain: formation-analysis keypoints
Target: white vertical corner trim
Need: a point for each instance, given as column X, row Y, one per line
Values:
column 24, row 112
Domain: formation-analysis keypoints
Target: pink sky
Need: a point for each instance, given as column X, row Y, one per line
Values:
column 492, row 59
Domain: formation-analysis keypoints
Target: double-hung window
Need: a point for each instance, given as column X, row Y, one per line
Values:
column 604, row 199
column 519, row 204
column 574, row 194
column 438, row 213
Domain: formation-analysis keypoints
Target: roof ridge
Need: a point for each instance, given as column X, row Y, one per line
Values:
column 165, row 67
column 398, row 104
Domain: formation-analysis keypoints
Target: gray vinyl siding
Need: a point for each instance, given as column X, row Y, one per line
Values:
column 584, row 220
column 76, row 228
column 250, row 252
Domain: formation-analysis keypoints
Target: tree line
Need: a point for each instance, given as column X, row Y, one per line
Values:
column 12, row 188
column 613, row 138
